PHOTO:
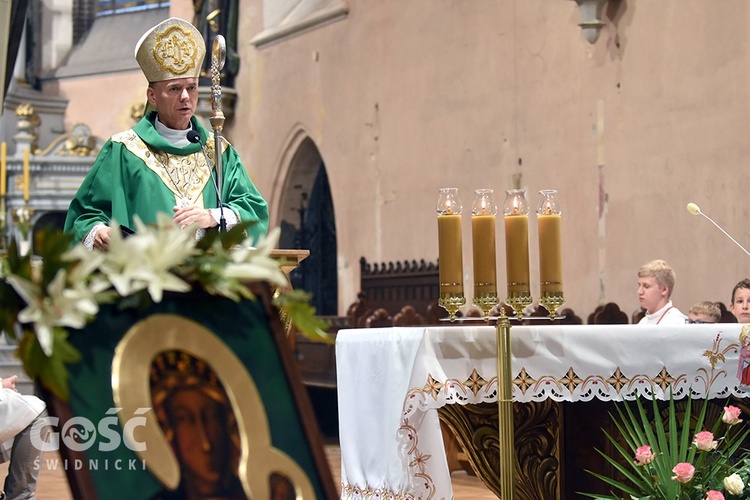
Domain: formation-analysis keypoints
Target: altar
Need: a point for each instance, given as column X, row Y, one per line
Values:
column 394, row 382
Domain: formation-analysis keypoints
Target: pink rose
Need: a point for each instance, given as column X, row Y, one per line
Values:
column 731, row 415
column 705, row 441
column 643, row 455
column 714, row 495
column 683, row 472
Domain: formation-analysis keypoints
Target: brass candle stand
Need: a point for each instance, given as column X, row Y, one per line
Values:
column 552, row 302
column 506, row 437
column 451, row 302
column 486, row 301
column 519, row 301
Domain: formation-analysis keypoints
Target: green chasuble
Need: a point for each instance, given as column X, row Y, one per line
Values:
column 139, row 173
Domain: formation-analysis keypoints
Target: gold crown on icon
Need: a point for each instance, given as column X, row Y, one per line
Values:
column 175, row 370
column 172, row 49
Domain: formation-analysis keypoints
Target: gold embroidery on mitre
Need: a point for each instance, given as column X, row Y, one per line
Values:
column 175, row 50
column 172, row 49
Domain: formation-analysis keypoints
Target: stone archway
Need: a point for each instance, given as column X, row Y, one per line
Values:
column 307, row 220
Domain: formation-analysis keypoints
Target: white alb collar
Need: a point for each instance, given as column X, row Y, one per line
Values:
column 177, row 138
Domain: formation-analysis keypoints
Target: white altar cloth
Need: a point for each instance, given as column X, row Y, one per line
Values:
column 392, row 380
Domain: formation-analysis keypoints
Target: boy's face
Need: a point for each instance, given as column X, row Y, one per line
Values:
column 740, row 306
column 700, row 317
column 651, row 295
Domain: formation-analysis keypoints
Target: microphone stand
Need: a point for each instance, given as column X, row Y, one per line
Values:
column 695, row 210
column 218, row 56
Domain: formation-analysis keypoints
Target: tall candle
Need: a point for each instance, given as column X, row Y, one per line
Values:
column 450, row 262
column 483, row 247
column 3, row 168
column 517, row 252
column 26, row 175
column 550, row 253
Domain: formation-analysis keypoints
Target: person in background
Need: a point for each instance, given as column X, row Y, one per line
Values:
column 637, row 315
column 726, row 314
column 597, row 310
column 704, row 312
column 740, row 304
column 611, row 314
column 21, row 416
column 157, row 166
column 655, row 285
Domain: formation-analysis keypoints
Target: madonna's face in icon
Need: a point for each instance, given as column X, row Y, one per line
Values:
column 200, row 439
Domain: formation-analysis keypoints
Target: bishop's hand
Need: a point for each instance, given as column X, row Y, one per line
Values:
column 192, row 214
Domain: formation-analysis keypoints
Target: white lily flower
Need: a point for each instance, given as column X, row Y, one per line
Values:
column 121, row 262
column 161, row 249
column 61, row 306
column 255, row 264
column 87, row 262
column 271, row 241
column 249, row 271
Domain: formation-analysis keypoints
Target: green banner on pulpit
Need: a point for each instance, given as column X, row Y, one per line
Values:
column 191, row 394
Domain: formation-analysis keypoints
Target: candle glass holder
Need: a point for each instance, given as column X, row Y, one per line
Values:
column 550, row 259
column 483, row 221
column 450, row 260
column 516, row 211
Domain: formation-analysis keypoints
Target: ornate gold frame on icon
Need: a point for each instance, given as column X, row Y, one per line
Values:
column 131, row 390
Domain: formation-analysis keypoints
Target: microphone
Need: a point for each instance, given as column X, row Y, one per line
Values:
column 195, row 138
column 693, row 209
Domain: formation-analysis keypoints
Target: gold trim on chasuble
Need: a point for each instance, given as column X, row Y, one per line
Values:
column 131, row 390
column 185, row 175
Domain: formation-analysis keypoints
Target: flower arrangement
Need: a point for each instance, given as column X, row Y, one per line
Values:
column 23, row 220
column 663, row 462
column 42, row 297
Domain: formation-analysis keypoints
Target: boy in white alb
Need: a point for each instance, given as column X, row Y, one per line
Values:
column 655, row 285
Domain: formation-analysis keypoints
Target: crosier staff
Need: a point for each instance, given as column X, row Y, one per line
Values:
column 218, row 56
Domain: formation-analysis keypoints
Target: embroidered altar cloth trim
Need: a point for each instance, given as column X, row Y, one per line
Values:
column 391, row 379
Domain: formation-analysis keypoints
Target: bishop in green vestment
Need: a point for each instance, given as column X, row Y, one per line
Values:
column 153, row 167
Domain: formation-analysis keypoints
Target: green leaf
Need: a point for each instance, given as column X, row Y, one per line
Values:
column 296, row 306
column 227, row 239
column 50, row 371
column 52, row 245
column 12, row 304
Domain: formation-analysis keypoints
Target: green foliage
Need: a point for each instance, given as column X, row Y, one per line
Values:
column 296, row 306
column 670, row 440
column 61, row 289
column 51, row 370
